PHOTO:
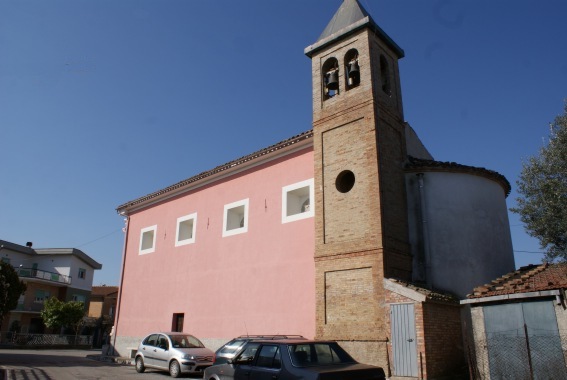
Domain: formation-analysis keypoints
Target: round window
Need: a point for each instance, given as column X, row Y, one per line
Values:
column 345, row 181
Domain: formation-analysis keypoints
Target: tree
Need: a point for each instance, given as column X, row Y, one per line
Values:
column 543, row 193
column 11, row 288
column 57, row 314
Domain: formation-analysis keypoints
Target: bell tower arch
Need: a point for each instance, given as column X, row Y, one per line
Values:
column 361, row 225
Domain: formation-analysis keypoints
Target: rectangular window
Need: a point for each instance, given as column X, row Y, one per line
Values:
column 185, row 233
column 78, row 298
column 41, row 296
column 297, row 201
column 269, row 357
column 148, row 240
column 235, row 218
column 6, row 260
column 82, row 273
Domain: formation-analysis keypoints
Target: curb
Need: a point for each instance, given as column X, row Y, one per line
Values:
column 110, row 359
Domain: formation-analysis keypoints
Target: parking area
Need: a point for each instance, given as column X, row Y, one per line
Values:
column 68, row 365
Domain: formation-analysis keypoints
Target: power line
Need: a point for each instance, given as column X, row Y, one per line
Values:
column 99, row 238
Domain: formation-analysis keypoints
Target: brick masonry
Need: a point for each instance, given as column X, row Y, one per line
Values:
column 361, row 234
column 439, row 339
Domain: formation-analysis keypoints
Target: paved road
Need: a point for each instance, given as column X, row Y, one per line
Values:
column 67, row 365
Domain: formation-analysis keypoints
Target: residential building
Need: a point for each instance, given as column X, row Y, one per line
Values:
column 65, row 273
column 350, row 231
column 102, row 307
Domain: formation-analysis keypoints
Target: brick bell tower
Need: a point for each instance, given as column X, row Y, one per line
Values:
column 361, row 229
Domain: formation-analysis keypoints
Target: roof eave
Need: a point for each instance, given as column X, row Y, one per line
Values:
column 70, row 251
column 230, row 169
column 511, row 297
column 362, row 23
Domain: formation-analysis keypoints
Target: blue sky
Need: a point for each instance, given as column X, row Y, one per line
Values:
column 104, row 101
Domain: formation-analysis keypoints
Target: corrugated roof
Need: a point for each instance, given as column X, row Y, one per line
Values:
column 531, row 278
column 418, row 164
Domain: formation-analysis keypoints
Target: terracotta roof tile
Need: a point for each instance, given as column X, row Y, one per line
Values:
column 414, row 164
column 229, row 165
column 103, row 290
column 531, row 278
column 430, row 295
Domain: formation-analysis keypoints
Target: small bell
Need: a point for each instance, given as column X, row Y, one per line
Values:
column 332, row 80
column 353, row 71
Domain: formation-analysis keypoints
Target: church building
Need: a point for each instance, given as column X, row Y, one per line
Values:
column 350, row 231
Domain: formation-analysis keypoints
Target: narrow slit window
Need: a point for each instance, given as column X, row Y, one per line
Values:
column 385, row 75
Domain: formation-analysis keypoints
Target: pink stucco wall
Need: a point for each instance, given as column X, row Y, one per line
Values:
column 258, row 282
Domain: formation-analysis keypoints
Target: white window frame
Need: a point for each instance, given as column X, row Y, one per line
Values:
column 153, row 247
column 182, row 220
column 228, row 219
column 286, row 190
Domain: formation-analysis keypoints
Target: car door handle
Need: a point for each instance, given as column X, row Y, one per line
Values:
column 410, row 340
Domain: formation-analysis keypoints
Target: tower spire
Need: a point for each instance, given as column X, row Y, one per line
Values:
column 349, row 18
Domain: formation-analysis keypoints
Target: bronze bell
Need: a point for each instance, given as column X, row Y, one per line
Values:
column 332, row 80
column 353, row 71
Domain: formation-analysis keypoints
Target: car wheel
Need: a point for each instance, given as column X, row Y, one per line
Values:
column 140, row 367
column 174, row 369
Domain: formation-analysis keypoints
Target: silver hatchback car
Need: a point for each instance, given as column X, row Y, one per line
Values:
column 175, row 352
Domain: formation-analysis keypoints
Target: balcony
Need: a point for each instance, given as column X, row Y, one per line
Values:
column 43, row 275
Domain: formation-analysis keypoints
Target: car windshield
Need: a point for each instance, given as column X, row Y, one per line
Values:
column 232, row 346
column 321, row 353
column 185, row 341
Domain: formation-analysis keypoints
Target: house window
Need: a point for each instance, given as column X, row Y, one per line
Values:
column 148, row 240
column 82, row 273
column 235, row 218
column 41, row 296
column 297, row 201
column 78, row 298
column 6, row 260
column 186, row 230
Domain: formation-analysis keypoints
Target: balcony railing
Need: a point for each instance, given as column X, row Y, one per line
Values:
column 43, row 275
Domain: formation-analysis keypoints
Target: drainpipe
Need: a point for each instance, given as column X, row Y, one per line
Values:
column 118, row 301
column 425, row 248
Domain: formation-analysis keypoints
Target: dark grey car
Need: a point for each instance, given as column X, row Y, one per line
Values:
column 230, row 349
column 174, row 352
column 288, row 359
